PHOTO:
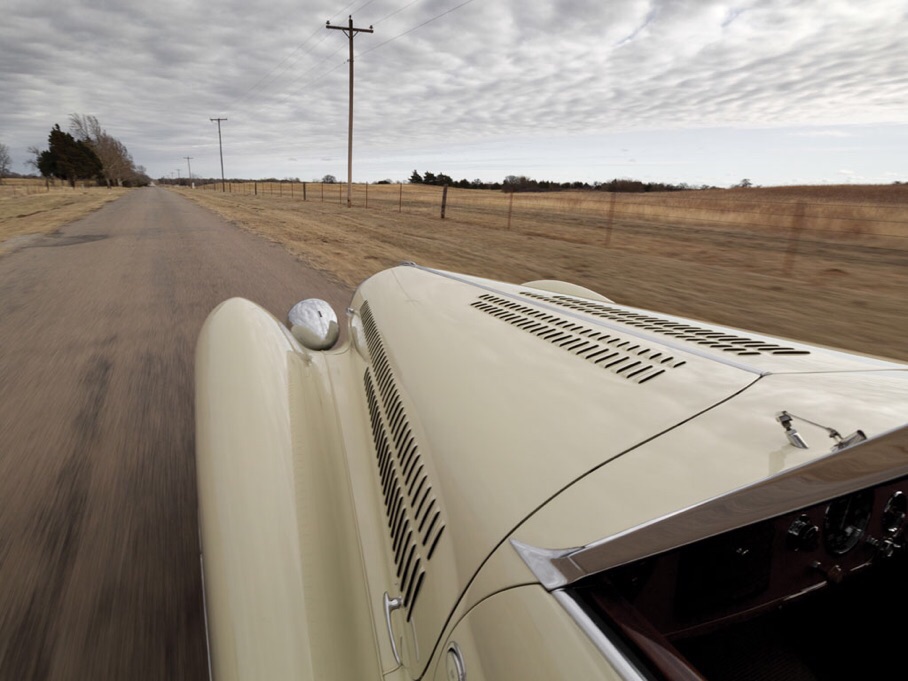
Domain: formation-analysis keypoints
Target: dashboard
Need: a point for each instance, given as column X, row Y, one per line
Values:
column 802, row 595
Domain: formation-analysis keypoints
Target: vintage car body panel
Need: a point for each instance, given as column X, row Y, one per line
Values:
column 868, row 463
column 551, row 647
column 462, row 418
column 263, row 497
column 739, row 443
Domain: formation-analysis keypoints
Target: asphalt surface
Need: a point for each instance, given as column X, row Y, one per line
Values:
column 99, row 564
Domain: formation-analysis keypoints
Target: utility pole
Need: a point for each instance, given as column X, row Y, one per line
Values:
column 189, row 165
column 221, row 147
column 350, row 31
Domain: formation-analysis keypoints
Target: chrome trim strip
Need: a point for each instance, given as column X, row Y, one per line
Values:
column 622, row 666
column 868, row 463
column 204, row 600
column 597, row 321
column 543, row 563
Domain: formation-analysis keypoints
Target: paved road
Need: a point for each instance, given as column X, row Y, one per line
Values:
column 99, row 571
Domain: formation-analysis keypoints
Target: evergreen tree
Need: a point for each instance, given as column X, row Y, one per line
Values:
column 69, row 159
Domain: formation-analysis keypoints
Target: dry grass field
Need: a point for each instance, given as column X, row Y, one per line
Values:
column 28, row 207
column 823, row 264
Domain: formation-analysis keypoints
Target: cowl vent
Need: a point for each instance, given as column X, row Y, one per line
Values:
column 625, row 357
column 415, row 520
column 717, row 340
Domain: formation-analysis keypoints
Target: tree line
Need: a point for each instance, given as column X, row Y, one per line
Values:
column 86, row 152
column 522, row 183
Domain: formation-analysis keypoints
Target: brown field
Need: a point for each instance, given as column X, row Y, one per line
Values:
column 29, row 207
column 823, row 264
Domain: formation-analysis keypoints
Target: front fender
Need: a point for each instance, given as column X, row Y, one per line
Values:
column 247, row 507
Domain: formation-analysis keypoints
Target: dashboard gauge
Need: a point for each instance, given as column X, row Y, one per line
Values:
column 846, row 521
column 894, row 514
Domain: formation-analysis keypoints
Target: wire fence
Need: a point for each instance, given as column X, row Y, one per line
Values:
column 833, row 224
column 25, row 186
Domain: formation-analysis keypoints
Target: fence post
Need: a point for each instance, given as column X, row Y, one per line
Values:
column 444, row 200
column 304, row 191
column 340, row 193
column 610, row 219
column 794, row 237
column 510, row 208
column 367, row 194
column 280, row 189
column 400, row 198
column 256, row 186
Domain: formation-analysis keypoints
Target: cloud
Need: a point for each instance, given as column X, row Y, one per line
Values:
column 155, row 73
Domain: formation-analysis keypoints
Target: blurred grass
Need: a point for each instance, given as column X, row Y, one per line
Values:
column 29, row 207
column 818, row 282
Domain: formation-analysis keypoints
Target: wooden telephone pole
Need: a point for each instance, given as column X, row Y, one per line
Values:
column 221, row 148
column 350, row 31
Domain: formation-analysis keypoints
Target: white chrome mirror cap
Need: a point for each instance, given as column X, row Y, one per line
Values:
column 313, row 323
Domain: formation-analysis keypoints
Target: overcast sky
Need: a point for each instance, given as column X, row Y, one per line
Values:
column 697, row 91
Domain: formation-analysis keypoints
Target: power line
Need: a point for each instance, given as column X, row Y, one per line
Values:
column 284, row 65
column 387, row 16
column 428, row 21
column 311, row 69
column 285, row 97
column 276, row 71
column 342, row 11
column 397, row 11
column 363, row 6
column 298, row 78
column 334, row 68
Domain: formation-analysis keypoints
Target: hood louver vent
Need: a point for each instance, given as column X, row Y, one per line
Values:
column 414, row 514
column 717, row 340
column 625, row 357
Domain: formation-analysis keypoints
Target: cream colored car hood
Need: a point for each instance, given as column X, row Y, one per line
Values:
column 472, row 437
column 511, row 403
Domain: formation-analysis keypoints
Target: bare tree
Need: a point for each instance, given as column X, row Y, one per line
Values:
column 35, row 163
column 116, row 161
column 5, row 161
